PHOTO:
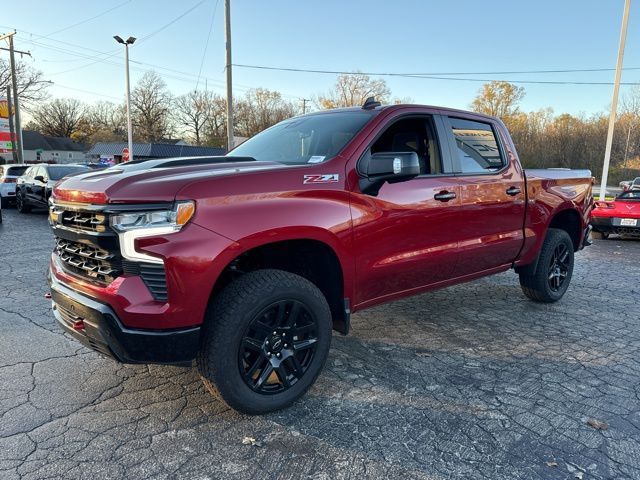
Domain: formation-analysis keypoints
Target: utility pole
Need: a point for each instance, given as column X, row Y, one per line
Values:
column 16, row 100
column 126, row 44
column 614, row 100
column 12, row 130
column 227, row 37
column 304, row 104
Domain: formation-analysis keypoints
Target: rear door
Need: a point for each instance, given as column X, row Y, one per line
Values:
column 492, row 194
column 402, row 235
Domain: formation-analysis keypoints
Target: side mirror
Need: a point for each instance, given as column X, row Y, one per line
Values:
column 39, row 178
column 391, row 167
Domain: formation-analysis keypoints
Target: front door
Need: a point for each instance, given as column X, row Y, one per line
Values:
column 402, row 235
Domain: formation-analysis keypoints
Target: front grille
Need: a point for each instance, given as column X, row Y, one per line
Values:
column 86, row 221
column 89, row 249
column 89, row 261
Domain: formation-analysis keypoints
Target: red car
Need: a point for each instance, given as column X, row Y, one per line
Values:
column 247, row 262
column 622, row 216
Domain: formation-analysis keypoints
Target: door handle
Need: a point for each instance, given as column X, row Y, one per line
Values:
column 513, row 191
column 444, row 196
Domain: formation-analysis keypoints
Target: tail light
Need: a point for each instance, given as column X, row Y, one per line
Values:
column 8, row 180
column 605, row 205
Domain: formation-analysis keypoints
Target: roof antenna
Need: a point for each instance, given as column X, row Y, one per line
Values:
column 370, row 103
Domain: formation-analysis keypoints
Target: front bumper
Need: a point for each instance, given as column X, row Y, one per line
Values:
column 96, row 326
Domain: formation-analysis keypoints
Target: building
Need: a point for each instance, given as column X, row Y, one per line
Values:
column 43, row 148
column 112, row 152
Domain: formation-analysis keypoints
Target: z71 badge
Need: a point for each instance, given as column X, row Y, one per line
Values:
column 326, row 178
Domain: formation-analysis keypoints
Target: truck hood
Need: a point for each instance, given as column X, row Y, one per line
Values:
column 151, row 181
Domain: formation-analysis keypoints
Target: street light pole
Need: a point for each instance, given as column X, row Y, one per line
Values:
column 126, row 44
column 614, row 100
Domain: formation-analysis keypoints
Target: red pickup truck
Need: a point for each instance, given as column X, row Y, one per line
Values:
column 247, row 262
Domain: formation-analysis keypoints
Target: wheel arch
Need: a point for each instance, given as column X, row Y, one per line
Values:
column 567, row 219
column 311, row 258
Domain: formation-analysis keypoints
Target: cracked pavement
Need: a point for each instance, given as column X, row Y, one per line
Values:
column 471, row 382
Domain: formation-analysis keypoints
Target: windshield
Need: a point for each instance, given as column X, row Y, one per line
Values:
column 632, row 195
column 300, row 140
column 56, row 173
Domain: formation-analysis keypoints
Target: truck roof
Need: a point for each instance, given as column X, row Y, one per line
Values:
column 399, row 106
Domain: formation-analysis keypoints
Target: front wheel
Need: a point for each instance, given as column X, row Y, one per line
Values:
column 21, row 203
column 553, row 273
column 266, row 338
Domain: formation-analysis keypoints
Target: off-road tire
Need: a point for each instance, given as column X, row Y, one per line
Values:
column 537, row 286
column 228, row 317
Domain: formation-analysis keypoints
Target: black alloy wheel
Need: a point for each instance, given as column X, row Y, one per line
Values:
column 278, row 347
column 559, row 267
column 21, row 203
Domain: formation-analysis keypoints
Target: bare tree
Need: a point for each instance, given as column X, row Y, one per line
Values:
column 151, row 107
column 192, row 111
column 498, row 98
column 31, row 86
column 59, row 117
column 216, row 122
column 103, row 122
column 261, row 108
column 352, row 90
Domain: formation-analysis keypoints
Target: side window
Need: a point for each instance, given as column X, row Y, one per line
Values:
column 29, row 173
column 415, row 134
column 477, row 146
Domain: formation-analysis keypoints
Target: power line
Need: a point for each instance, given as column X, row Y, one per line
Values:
column 206, row 45
column 86, row 20
column 440, row 76
column 147, row 37
column 184, row 76
column 86, row 91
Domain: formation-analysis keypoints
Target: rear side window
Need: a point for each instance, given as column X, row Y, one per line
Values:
column 16, row 171
column 476, row 146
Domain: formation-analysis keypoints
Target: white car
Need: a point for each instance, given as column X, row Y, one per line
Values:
column 8, row 176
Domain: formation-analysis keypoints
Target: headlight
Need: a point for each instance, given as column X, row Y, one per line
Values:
column 133, row 226
column 175, row 218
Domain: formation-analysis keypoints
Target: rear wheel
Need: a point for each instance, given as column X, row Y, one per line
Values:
column 553, row 273
column 21, row 203
column 266, row 339
column 4, row 202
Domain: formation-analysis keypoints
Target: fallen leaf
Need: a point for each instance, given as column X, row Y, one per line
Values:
column 249, row 441
column 552, row 464
column 423, row 354
column 597, row 424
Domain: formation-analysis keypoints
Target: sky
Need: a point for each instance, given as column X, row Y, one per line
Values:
column 72, row 44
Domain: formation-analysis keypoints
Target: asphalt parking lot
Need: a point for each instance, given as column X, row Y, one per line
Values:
column 470, row 382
